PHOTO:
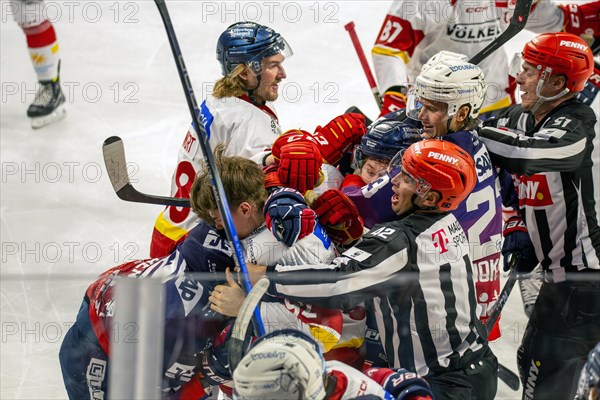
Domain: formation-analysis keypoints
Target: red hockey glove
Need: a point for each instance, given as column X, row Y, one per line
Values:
column 193, row 389
column 394, row 99
column 339, row 216
column 293, row 135
column 517, row 240
column 288, row 217
column 582, row 18
column 299, row 165
column 339, row 136
column 401, row 383
column 272, row 177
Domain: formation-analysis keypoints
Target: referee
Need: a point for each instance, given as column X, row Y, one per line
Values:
column 418, row 272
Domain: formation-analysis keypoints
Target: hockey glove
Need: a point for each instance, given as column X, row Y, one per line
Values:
column 401, row 383
column 517, row 240
column 288, row 217
column 582, row 19
column 339, row 136
column 300, row 166
column 339, row 216
column 394, row 99
column 272, row 178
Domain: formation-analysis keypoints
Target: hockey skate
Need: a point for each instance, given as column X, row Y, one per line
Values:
column 48, row 106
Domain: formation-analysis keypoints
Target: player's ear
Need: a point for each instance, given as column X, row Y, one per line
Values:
column 431, row 199
column 246, row 208
column 463, row 113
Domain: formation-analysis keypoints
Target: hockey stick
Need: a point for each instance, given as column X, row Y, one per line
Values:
column 240, row 327
column 516, row 25
column 363, row 61
column 209, row 161
column 506, row 375
column 116, row 166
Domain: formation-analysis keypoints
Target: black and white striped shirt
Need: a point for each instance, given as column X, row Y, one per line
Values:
column 556, row 170
column 418, row 272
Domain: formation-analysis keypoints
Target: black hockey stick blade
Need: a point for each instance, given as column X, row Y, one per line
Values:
column 510, row 378
column 517, row 23
column 116, row 166
column 238, row 332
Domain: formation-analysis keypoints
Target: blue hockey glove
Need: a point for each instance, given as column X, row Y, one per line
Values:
column 517, row 240
column 288, row 217
column 401, row 383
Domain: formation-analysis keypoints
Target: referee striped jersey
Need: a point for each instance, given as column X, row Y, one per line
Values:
column 418, row 272
column 555, row 169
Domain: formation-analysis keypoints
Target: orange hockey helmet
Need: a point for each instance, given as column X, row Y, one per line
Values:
column 442, row 166
column 565, row 54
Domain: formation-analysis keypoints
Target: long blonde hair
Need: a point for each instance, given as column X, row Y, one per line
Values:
column 231, row 85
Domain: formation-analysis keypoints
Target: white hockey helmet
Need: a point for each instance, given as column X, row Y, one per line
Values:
column 284, row 364
column 448, row 78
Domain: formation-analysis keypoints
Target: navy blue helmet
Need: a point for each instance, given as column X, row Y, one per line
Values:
column 248, row 43
column 385, row 138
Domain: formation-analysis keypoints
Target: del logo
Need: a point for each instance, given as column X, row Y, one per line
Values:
column 440, row 240
column 534, row 191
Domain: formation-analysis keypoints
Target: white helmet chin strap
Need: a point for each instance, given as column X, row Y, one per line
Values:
column 538, row 90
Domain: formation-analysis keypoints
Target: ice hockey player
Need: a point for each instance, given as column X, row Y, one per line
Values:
column 371, row 194
column 280, row 229
column 190, row 326
column 547, row 143
column 418, row 272
column 240, row 112
column 413, row 31
column 288, row 364
column 48, row 105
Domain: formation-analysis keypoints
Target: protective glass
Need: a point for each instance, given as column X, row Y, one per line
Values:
column 420, row 186
column 280, row 47
column 413, row 105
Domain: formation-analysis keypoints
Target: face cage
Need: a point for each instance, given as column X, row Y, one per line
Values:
column 421, row 186
column 516, row 67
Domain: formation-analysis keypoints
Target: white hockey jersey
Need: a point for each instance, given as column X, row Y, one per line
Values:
column 331, row 328
column 248, row 131
column 414, row 30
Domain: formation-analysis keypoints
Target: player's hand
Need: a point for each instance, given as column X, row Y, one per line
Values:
column 517, row 241
column 582, row 19
column 288, row 217
column 339, row 136
column 255, row 272
column 227, row 299
column 339, row 216
column 401, row 383
column 394, row 99
column 299, row 160
column 272, row 178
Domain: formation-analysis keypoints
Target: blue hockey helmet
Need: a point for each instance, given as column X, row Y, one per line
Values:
column 385, row 138
column 248, row 43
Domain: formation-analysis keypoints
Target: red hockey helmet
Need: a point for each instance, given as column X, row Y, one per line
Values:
column 565, row 53
column 441, row 166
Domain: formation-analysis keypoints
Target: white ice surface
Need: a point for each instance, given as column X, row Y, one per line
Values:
column 62, row 224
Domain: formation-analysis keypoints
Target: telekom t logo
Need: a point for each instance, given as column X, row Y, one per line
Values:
column 439, row 239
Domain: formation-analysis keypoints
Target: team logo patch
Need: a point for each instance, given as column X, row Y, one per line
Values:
column 357, row 254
